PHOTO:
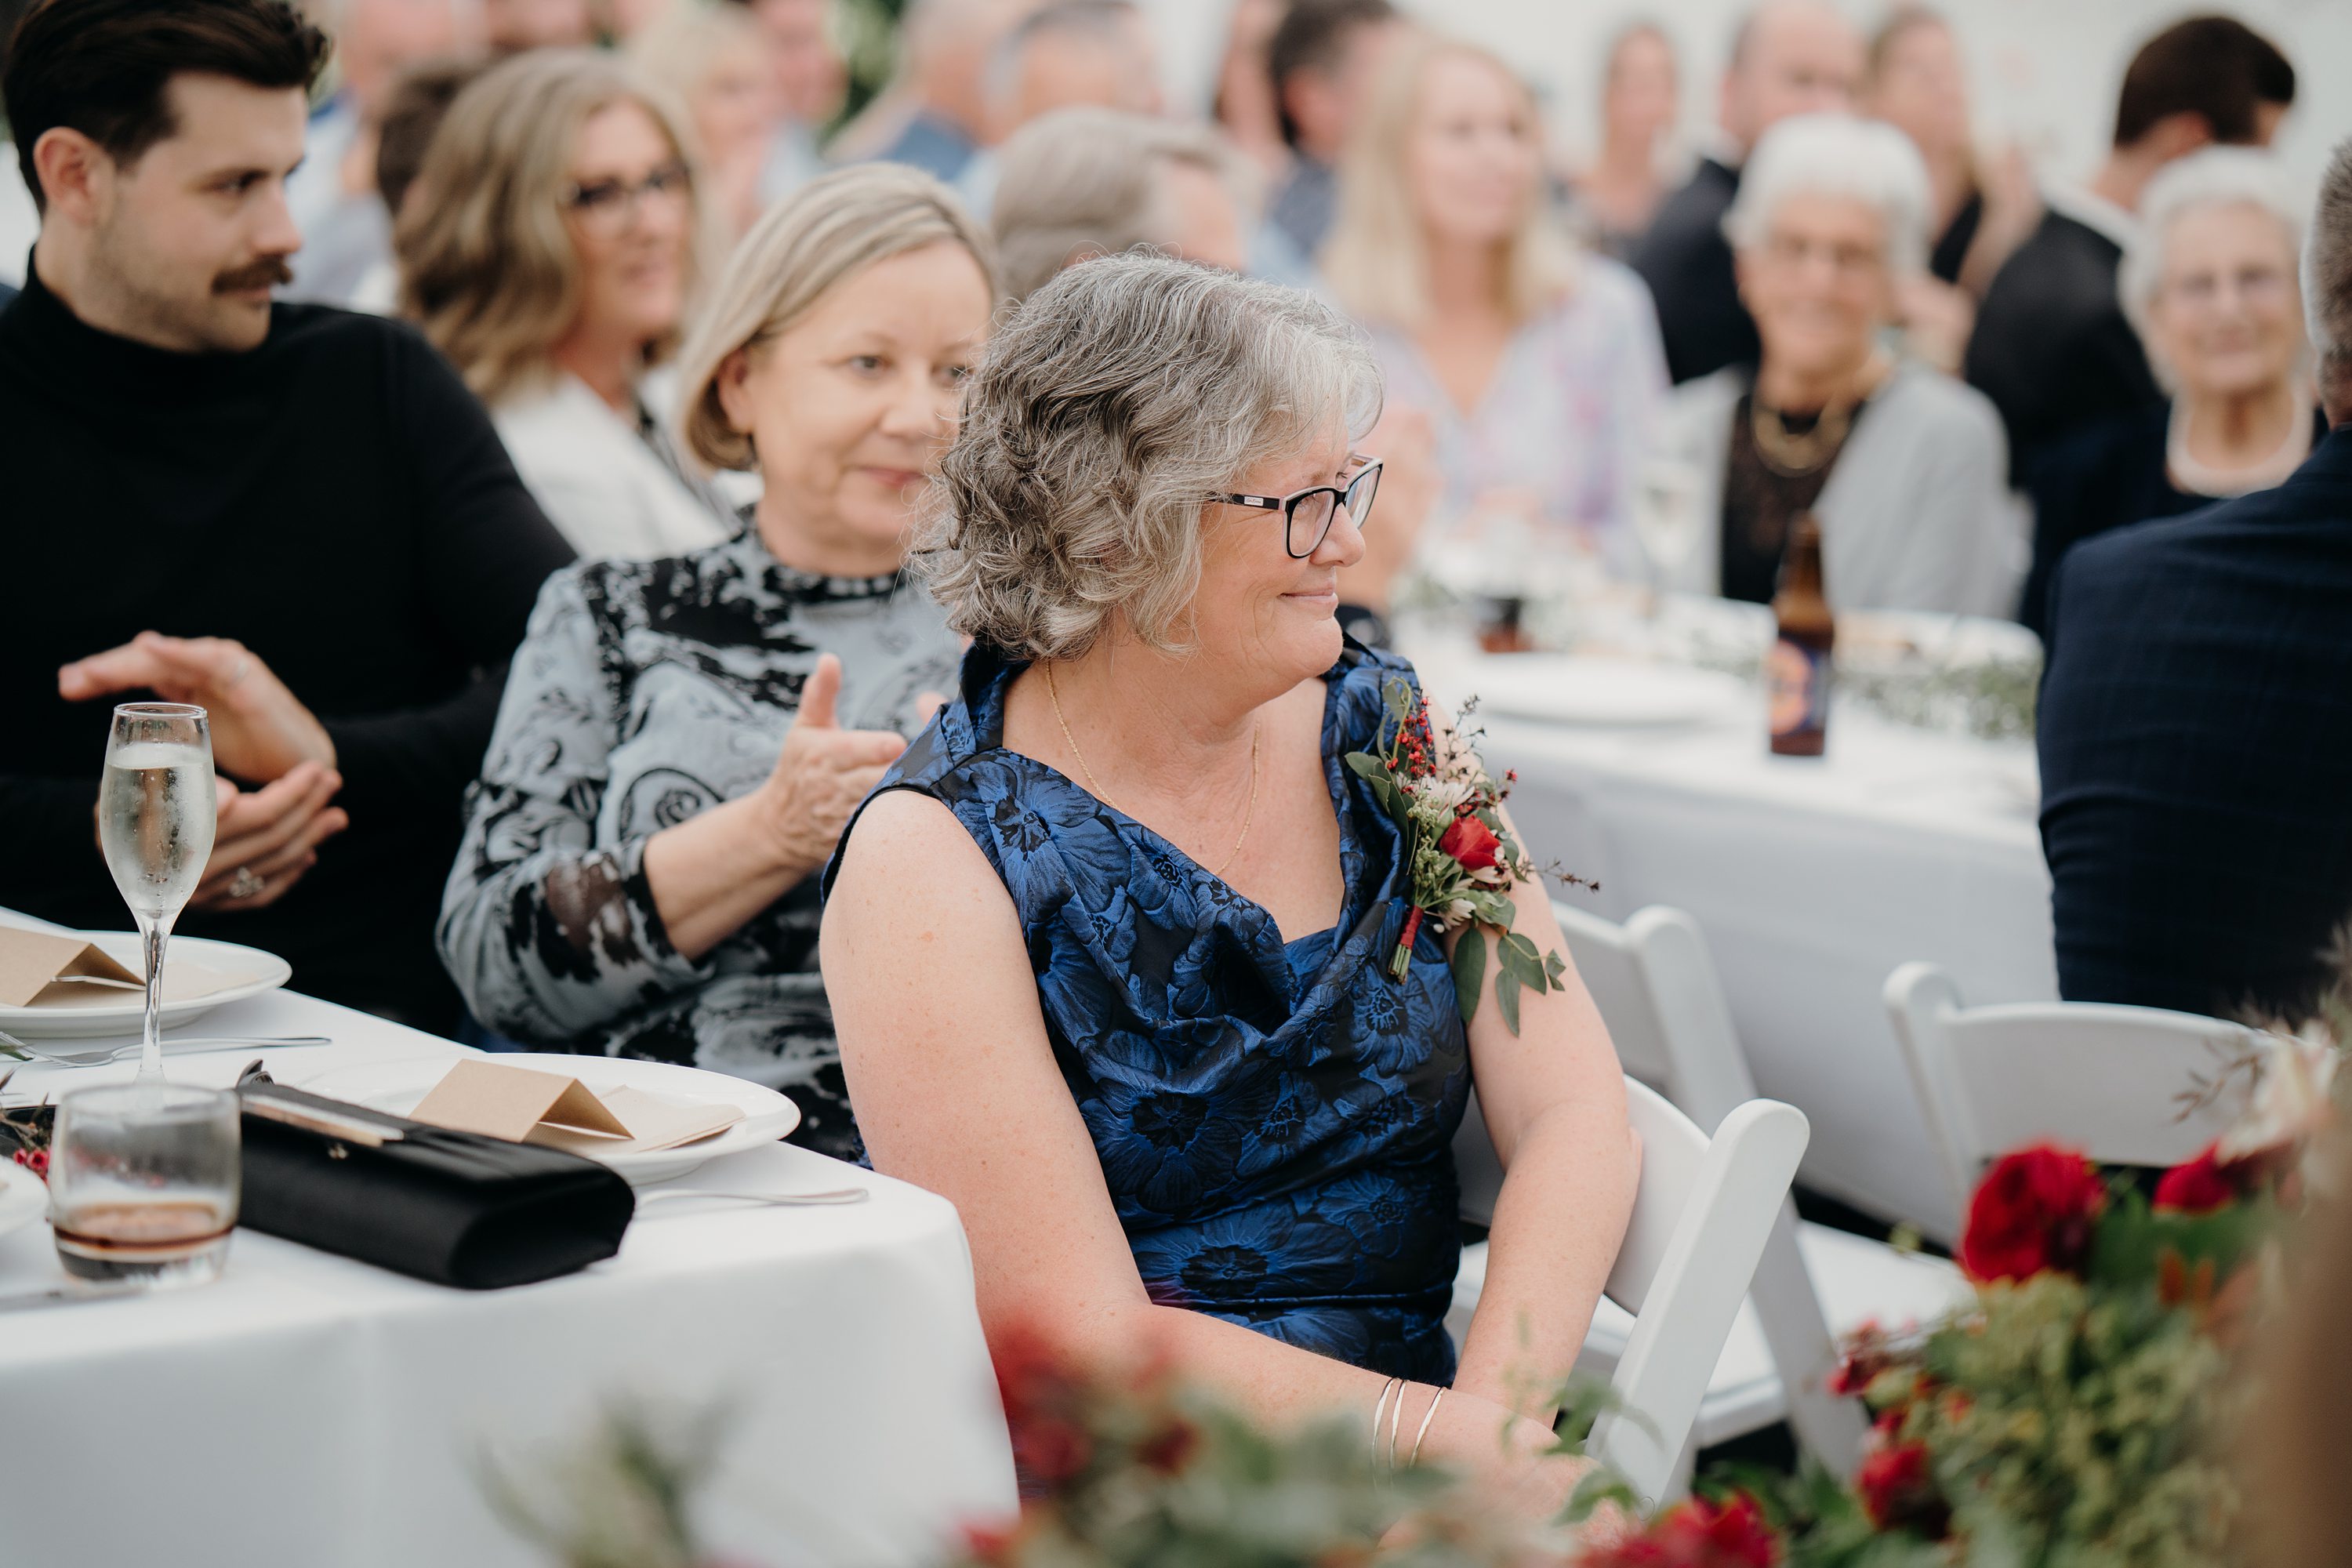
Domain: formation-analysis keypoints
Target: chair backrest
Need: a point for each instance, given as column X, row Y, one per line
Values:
column 1701, row 1215
column 2109, row 1081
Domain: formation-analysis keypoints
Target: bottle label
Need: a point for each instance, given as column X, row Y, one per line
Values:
column 1798, row 679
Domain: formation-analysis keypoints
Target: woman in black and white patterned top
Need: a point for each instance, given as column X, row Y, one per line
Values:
column 682, row 740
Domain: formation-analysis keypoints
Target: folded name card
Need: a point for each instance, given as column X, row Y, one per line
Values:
column 46, row 968
column 524, row 1105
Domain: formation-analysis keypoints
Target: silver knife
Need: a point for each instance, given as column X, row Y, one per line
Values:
column 59, row 1295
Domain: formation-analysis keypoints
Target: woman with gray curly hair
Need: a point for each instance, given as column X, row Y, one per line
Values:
column 1107, row 946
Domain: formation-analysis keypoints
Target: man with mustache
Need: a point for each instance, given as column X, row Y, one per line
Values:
column 296, row 517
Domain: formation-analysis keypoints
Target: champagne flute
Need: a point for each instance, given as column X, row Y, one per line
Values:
column 156, row 813
column 1666, row 522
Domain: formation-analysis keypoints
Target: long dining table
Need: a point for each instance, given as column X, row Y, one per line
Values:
column 315, row 1412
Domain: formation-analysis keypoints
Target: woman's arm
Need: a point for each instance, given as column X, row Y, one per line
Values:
column 947, row 1062
column 1553, row 1097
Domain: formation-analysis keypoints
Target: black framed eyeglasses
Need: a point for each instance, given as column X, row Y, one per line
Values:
column 1307, row 514
column 609, row 206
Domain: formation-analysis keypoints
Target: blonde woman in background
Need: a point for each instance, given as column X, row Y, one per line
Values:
column 714, row 56
column 681, row 741
column 1538, row 368
column 554, row 269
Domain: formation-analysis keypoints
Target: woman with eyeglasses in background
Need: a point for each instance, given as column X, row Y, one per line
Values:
column 555, row 268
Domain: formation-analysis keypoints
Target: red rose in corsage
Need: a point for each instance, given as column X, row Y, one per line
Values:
column 1698, row 1533
column 1458, row 862
column 2033, row 1211
column 2200, row 1186
column 1897, row 1489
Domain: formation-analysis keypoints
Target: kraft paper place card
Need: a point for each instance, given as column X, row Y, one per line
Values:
column 524, row 1105
column 51, row 969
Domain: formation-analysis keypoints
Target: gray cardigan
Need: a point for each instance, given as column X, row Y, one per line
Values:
column 1917, row 513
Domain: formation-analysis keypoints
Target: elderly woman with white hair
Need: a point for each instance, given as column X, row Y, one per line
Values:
column 2209, row 282
column 1115, row 948
column 1904, row 467
column 682, row 740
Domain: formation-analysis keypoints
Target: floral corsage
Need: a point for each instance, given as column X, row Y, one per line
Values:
column 1460, row 861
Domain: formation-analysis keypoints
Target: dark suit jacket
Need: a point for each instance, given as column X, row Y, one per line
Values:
column 2196, row 740
column 2052, row 347
column 1686, row 262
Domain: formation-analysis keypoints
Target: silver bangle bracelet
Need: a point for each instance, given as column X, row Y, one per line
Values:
column 1423, row 1430
column 1396, row 1421
column 1394, row 1385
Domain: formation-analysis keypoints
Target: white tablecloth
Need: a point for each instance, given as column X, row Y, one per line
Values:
column 317, row 1413
column 1814, row 879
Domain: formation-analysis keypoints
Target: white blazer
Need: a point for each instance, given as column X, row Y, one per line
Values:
column 1917, row 515
column 599, row 483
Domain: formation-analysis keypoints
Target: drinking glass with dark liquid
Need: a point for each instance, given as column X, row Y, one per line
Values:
column 1797, row 671
column 144, row 1182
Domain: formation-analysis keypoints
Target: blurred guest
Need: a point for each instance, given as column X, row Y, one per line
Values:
column 558, row 325
column 2196, row 766
column 1082, row 183
column 1323, row 59
column 2052, row 347
column 1901, row 464
column 515, row 25
column 1619, row 192
column 295, row 517
column 1538, row 368
column 1109, row 945
column 2209, row 282
column 683, row 739
column 332, row 196
column 1243, row 108
column 934, row 114
column 1071, row 53
column 1788, row 56
column 714, row 58
column 813, row 80
column 413, row 112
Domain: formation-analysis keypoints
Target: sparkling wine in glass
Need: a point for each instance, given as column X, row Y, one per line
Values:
column 156, row 813
column 1667, row 519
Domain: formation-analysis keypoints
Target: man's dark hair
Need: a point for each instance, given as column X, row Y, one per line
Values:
column 2213, row 66
column 413, row 111
column 1313, row 36
column 101, row 66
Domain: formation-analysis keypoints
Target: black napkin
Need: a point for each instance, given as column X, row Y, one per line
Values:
column 456, row 1208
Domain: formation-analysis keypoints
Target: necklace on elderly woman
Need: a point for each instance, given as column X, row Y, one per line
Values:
column 1094, row 784
column 1793, row 454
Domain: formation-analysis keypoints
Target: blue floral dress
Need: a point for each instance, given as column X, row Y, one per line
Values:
column 1275, row 1120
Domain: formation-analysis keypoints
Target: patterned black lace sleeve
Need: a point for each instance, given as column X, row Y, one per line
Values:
column 550, row 935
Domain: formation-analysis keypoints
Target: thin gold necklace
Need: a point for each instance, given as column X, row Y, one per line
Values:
column 1249, row 810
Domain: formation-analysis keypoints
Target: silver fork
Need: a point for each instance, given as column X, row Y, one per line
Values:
column 836, row 1196
column 101, row 1055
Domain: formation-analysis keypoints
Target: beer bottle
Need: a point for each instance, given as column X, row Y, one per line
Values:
column 1798, row 672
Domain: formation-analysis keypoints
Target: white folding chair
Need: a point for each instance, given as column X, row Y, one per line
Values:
column 2103, row 1078
column 1701, row 1214
column 1655, row 986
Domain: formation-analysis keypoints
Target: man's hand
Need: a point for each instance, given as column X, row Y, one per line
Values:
column 265, row 840
column 260, row 732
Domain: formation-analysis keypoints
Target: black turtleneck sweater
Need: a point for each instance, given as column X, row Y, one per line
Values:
column 334, row 499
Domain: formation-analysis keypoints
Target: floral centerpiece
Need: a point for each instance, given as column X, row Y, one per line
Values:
column 1461, row 860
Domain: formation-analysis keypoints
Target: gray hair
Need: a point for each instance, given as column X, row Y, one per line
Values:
column 836, row 225
column 1107, row 24
column 1087, row 182
column 1112, row 404
column 2328, row 283
column 2216, row 177
column 1836, row 156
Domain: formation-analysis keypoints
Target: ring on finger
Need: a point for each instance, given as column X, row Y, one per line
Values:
column 246, row 885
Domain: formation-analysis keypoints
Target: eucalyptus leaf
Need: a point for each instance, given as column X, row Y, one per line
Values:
column 1507, row 998
column 1522, row 962
column 1397, row 693
column 1469, row 971
column 1555, row 966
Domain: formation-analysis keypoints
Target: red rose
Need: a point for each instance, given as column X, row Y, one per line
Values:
column 1472, row 842
column 2033, row 1210
column 2202, row 1185
column 1051, row 1450
column 1171, row 1449
column 1898, row 1492
column 1698, row 1533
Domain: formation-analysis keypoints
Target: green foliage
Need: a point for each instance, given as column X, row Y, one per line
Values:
column 2069, row 1427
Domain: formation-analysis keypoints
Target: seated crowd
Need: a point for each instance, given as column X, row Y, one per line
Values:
column 704, row 541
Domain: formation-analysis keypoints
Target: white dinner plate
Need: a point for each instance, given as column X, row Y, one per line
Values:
column 107, row 1011
column 397, row 1086
column 24, row 1196
column 1563, row 688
